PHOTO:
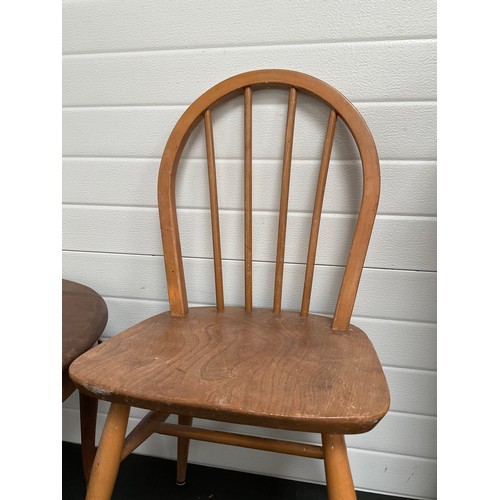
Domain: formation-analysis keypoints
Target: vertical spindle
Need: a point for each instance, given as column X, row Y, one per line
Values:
column 318, row 206
column 285, row 188
column 248, row 199
column 214, row 209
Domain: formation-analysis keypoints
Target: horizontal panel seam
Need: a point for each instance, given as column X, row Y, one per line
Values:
column 200, row 304
column 204, row 304
column 342, row 41
column 142, row 157
column 305, row 212
column 290, row 263
column 185, row 105
column 408, row 369
column 318, row 313
column 240, row 160
column 237, row 211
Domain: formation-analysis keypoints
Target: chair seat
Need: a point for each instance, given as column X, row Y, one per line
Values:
column 257, row 367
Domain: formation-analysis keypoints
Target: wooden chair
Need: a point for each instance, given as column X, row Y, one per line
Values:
column 84, row 317
column 263, row 367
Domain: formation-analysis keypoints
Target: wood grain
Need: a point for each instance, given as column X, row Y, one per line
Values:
column 237, row 366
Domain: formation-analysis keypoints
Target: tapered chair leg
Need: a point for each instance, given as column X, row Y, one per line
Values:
column 338, row 473
column 182, row 451
column 108, row 457
column 88, row 415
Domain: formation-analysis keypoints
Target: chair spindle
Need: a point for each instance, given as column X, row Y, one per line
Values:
column 248, row 198
column 285, row 188
column 316, row 218
column 214, row 209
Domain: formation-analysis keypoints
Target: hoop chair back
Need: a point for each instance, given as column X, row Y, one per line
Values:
column 201, row 109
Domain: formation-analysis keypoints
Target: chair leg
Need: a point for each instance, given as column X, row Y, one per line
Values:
column 88, row 415
column 108, row 457
column 338, row 473
column 182, row 451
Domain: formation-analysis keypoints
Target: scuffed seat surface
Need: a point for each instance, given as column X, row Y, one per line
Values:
column 247, row 367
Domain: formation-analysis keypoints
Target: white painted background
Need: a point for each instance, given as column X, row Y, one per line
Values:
column 129, row 70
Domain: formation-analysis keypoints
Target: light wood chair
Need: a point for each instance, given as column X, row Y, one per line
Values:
column 263, row 367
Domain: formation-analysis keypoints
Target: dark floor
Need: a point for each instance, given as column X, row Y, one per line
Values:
column 147, row 478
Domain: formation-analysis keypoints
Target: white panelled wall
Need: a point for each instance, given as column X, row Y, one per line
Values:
column 130, row 68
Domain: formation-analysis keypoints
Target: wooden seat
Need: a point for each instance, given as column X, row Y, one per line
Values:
column 238, row 363
column 264, row 367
